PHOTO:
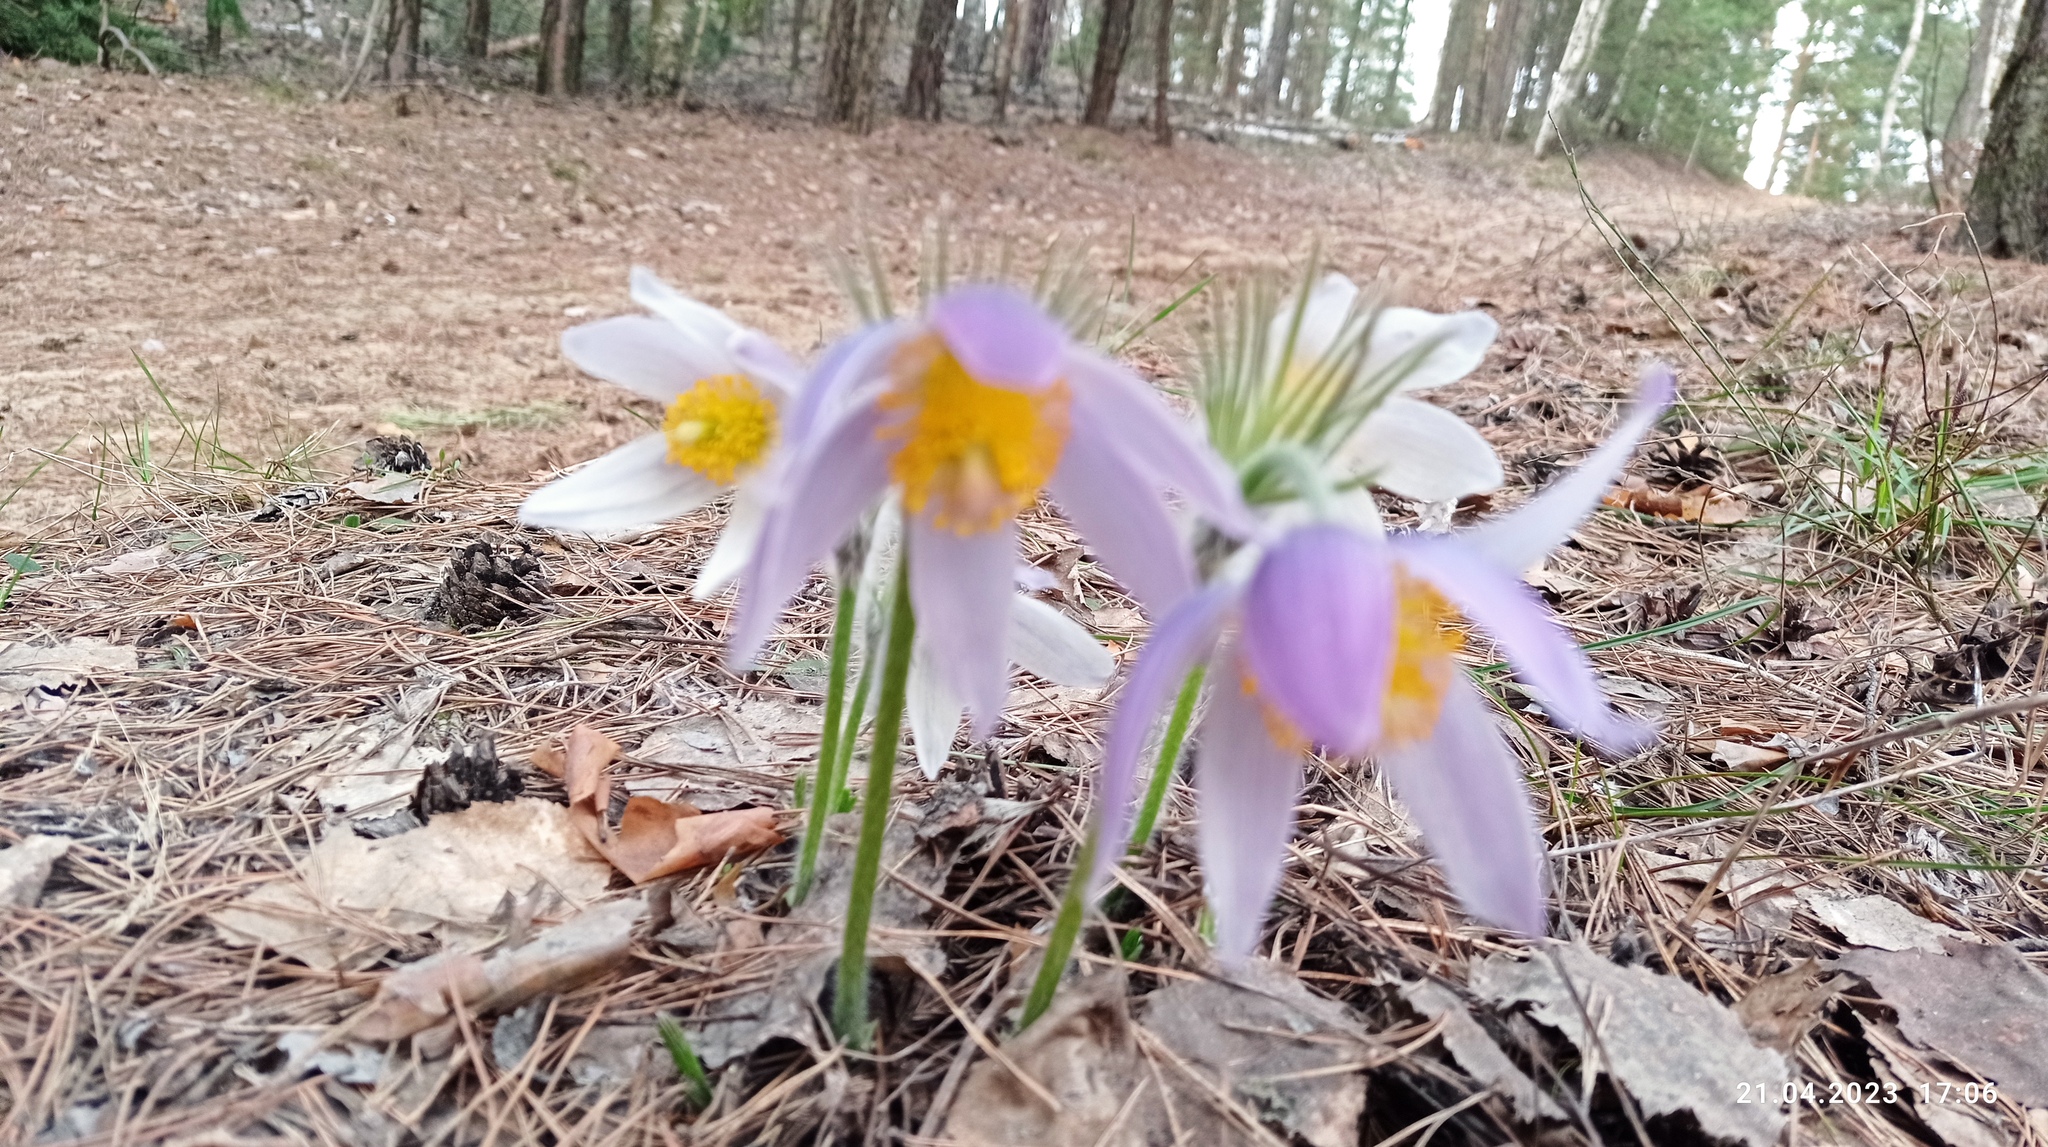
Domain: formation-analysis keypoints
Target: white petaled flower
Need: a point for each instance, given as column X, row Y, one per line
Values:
column 723, row 388
column 1406, row 446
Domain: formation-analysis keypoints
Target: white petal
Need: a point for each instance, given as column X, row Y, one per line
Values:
column 645, row 355
column 1433, row 349
column 735, row 541
column 1420, row 451
column 764, row 361
column 1052, row 645
column 1322, row 320
column 629, row 489
column 933, row 712
column 708, row 325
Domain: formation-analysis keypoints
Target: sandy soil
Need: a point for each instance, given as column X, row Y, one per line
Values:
column 302, row 269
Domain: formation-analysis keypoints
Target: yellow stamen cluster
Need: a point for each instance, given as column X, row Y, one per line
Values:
column 1424, row 645
column 719, row 427
column 973, row 454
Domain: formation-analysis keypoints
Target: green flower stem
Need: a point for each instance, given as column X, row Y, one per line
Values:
column 851, row 733
column 850, row 999
column 826, row 784
column 1066, row 928
column 1169, row 756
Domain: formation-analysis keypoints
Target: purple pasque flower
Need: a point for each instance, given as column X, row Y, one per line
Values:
column 1337, row 638
column 968, row 414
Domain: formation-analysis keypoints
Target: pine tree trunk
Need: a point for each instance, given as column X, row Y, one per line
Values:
column 213, row 33
column 1162, row 69
column 967, row 36
column 1794, row 93
column 1110, row 47
column 1391, row 94
column 560, row 70
column 1890, row 113
column 619, row 41
column 1461, row 35
column 1006, row 55
column 1037, row 49
column 1621, row 70
column 1959, row 138
column 401, row 61
column 1497, row 82
column 476, row 29
column 928, row 59
column 1571, row 68
column 842, row 100
column 1246, row 18
column 1273, row 60
column 1313, row 66
column 2009, row 204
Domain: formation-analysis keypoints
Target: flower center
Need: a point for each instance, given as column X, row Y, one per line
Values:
column 973, row 454
column 1424, row 645
column 719, row 427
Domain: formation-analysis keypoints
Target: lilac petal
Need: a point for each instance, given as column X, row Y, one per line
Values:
column 830, row 484
column 1246, row 787
column 1319, row 633
column 960, row 588
column 932, row 710
column 629, row 489
column 1123, row 517
column 1520, row 539
column 839, row 380
column 1538, row 648
column 1180, row 640
column 763, row 360
column 707, row 324
column 1434, row 349
column 649, row 357
column 1420, row 451
column 1464, row 789
column 999, row 335
column 1136, row 422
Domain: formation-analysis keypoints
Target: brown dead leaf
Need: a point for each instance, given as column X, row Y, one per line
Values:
column 654, row 838
column 563, row 957
column 1780, row 1009
column 1706, row 505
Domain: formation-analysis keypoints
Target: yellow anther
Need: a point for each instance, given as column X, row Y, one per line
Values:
column 719, row 427
column 1424, row 645
column 973, row 454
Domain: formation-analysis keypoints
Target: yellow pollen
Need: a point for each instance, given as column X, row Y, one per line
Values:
column 1278, row 727
column 1424, row 644
column 719, row 427
column 975, row 455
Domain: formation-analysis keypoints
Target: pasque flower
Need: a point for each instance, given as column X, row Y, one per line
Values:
column 967, row 414
column 723, row 388
column 1336, row 637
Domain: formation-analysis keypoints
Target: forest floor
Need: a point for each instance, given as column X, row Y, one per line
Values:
column 1812, row 912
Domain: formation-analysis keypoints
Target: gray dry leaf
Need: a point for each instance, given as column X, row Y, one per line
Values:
column 1977, row 1004
column 25, row 868
column 379, row 764
column 1260, row 1060
column 1477, row 1054
column 1671, row 1047
column 1876, row 922
column 349, row 898
column 26, row 668
column 738, row 733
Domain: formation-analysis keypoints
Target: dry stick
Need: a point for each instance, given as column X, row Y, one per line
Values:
column 1849, row 748
column 362, row 54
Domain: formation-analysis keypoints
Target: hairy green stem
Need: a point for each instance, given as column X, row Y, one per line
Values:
column 1066, row 929
column 1169, row 756
column 826, row 784
column 850, row 1000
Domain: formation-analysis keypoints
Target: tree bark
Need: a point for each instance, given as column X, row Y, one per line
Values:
column 1571, row 67
column 560, row 70
column 1461, row 35
column 2009, row 204
column 1360, row 28
column 1245, row 18
column 1959, row 138
column 1006, row 56
column 1037, row 49
column 968, row 33
column 402, row 47
column 619, row 42
column 1890, row 113
column 1110, row 47
column 1162, row 69
column 1273, row 59
column 1794, row 93
column 928, row 60
column 1621, row 70
column 1504, row 42
column 1392, row 92
column 853, row 47
column 476, row 30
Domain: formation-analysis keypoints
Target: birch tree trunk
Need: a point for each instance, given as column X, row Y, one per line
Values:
column 1890, row 113
column 1571, row 67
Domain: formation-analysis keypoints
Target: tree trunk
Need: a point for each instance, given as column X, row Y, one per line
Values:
column 213, row 32
column 1794, row 93
column 1628, row 53
column 1959, row 138
column 1037, row 47
column 1162, row 68
column 2009, row 204
column 560, row 71
column 1391, row 94
column 1890, row 113
column 1461, row 34
column 1362, row 27
column 476, row 29
column 1497, row 82
column 619, row 40
column 968, row 32
column 1006, row 56
column 853, row 48
column 1110, row 47
column 1273, row 59
column 1571, row 67
column 402, row 47
column 1245, row 18
column 928, row 59
column 1312, row 68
